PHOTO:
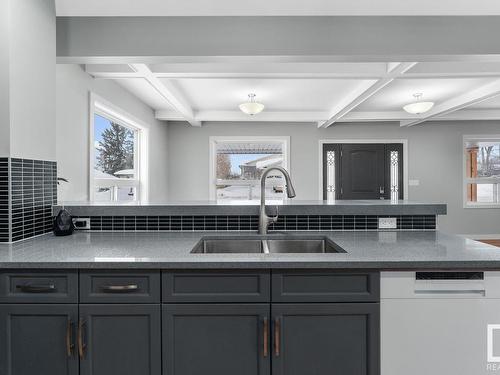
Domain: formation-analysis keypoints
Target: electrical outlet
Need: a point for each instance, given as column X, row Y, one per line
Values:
column 82, row 223
column 387, row 223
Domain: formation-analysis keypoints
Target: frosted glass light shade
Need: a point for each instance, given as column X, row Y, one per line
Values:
column 251, row 108
column 418, row 107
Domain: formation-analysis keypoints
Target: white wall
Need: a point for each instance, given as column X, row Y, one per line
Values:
column 434, row 149
column 73, row 86
column 27, row 78
column 4, row 79
column 32, row 79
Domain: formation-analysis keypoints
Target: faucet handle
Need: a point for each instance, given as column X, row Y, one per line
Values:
column 275, row 218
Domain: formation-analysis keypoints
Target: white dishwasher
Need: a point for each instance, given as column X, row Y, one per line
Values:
column 437, row 323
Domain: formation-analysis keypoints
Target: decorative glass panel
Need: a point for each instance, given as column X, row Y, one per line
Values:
column 394, row 175
column 330, row 175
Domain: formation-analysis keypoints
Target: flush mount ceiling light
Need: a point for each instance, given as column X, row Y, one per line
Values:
column 418, row 107
column 251, row 107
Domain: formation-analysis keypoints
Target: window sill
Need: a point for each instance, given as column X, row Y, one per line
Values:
column 482, row 205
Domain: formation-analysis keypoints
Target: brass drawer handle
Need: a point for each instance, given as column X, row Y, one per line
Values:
column 265, row 338
column 37, row 288
column 69, row 339
column 277, row 339
column 81, row 344
column 119, row 288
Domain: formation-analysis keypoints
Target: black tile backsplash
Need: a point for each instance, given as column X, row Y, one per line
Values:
column 251, row 223
column 32, row 193
column 4, row 200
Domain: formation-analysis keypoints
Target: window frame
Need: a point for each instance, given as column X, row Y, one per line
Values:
column 103, row 108
column 214, row 140
column 467, row 180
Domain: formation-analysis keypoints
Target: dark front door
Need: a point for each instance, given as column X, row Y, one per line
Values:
column 326, row 339
column 218, row 339
column 38, row 339
column 120, row 339
column 362, row 171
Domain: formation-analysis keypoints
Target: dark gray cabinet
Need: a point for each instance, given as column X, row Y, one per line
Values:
column 119, row 339
column 231, row 286
column 38, row 339
column 325, row 286
column 222, row 339
column 325, row 339
column 245, row 322
column 51, row 286
column 117, row 286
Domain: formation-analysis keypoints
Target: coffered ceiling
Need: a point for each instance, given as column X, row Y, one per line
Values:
column 325, row 93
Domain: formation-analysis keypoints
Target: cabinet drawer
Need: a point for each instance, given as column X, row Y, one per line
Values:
column 325, row 286
column 38, row 287
column 216, row 286
column 119, row 287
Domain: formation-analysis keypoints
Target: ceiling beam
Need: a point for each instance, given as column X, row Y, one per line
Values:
column 282, row 71
column 364, row 92
column 169, row 92
column 472, row 114
column 397, row 116
column 315, row 117
column 457, row 103
column 271, row 116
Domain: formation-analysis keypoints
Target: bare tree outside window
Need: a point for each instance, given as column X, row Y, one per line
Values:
column 489, row 163
column 223, row 166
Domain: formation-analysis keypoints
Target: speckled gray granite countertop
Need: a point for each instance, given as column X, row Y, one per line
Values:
column 376, row 250
column 288, row 207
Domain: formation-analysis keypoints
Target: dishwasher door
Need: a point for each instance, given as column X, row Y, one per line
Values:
column 437, row 323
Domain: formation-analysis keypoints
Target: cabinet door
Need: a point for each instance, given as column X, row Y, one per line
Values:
column 325, row 339
column 38, row 339
column 119, row 339
column 224, row 339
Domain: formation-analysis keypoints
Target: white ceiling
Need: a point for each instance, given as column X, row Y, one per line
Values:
column 399, row 93
column 223, row 94
column 326, row 93
column 274, row 7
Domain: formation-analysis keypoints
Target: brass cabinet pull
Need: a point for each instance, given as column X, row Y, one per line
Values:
column 265, row 338
column 81, row 344
column 69, row 339
column 277, row 339
column 119, row 288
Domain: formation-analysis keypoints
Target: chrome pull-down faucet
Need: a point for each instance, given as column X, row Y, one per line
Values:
column 265, row 220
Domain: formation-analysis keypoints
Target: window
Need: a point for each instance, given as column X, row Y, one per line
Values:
column 482, row 171
column 237, row 165
column 114, row 171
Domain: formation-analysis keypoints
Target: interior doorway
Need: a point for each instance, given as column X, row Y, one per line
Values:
column 363, row 170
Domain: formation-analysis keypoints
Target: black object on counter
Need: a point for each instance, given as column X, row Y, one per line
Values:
column 63, row 224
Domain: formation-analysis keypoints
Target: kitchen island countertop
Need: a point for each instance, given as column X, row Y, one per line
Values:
column 382, row 250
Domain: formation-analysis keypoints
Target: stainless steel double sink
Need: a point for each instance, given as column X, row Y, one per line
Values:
column 266, row 245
